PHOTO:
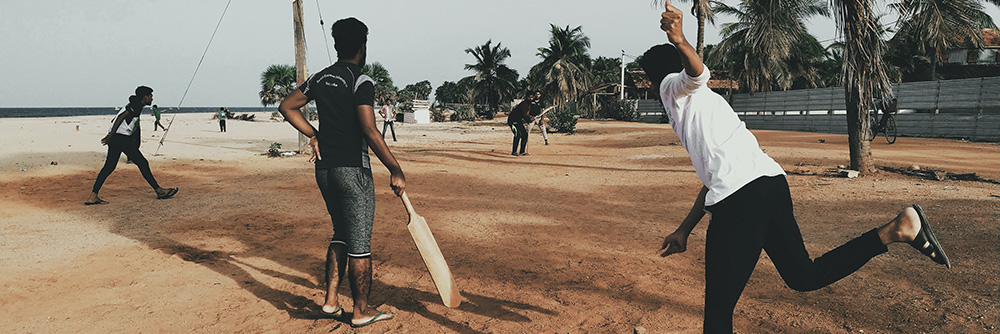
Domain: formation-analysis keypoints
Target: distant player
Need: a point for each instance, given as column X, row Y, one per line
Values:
column 518, row 118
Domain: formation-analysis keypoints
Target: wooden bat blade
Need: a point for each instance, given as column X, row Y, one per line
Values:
column 433, row 259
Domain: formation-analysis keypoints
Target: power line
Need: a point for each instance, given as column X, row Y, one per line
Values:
column 204, row 53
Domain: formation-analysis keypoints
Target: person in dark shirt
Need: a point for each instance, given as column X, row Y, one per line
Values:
column 123, row 137
column 519, row 116
column 344, row 99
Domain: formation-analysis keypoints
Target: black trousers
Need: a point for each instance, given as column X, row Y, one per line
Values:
column 389, row 124
column 222, row 125
column 117, row 145
column 759, row 216
column 520, row 135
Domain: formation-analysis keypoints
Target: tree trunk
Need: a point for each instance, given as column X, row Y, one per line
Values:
column 701, row 33
column 934, row 61
column 857, row 139
column 300, row 65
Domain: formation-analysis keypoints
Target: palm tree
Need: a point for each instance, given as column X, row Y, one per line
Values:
column 702, row 9
column 276, row 82
column 759, row 45
column 494, row 82
column 564, row 72
column 384, row 89
column 938, row 25
column 864, row 74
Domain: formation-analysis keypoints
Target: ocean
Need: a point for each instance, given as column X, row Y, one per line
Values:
column 111, row 111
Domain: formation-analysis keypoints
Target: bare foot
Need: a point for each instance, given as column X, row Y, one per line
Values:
column 903, row 228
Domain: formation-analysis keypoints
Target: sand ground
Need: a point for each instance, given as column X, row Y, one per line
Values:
column 561, row 241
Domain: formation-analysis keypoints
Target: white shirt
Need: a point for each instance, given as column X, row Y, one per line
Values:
column 390, row 112
column 724, row 153
column 126, row 128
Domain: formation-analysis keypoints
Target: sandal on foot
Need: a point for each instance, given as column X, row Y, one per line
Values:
column 97, row 202
column 378, row 317
column 170, row 193
column 335, row 314
column 926, row 237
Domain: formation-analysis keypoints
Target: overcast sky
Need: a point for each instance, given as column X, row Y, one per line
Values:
column 69, row 53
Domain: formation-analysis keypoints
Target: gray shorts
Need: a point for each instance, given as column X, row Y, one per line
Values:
column 349, row 193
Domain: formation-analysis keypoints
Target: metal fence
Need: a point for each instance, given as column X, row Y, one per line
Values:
column 979, row 95
column 969, row 109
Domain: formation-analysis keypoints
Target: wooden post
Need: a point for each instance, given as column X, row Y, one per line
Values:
column 300, row 65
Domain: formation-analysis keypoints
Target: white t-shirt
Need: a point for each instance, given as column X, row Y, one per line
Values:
column 724, row 153
column 126, row 128
column 390, row 112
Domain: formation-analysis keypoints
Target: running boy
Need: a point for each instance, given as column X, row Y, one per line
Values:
column 122, row 137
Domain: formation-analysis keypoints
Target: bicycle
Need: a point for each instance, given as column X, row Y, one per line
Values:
column 874, row 128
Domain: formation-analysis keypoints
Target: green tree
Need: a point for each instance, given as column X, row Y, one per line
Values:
column 564, row 72
column 450, row 92
column 276, row 82
column 606, row 70
column 384, row 89
column 761, row 45
column 416, row 91
column 939, row 25
column 494, row 82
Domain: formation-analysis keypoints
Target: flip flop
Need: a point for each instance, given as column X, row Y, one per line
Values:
column 335, row 314
column 376, row 318
column 170, row 193
column 97, row 202
column 926, row 236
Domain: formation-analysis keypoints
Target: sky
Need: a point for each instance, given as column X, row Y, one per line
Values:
column 70, row 53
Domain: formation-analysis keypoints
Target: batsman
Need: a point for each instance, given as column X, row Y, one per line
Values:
column 344, row 99
column 746, row 194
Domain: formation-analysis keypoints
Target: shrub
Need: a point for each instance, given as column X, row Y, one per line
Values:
column 437, row 115
column 464, row 113
column 274, row 150
column 619, row 110
column 563, row 119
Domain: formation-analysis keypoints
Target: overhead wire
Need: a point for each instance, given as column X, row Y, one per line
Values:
column 323, row 28
column 181, row 102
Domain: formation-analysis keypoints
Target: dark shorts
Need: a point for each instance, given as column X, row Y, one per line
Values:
column 349, row 193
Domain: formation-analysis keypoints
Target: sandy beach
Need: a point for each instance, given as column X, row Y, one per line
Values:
column 561, row 241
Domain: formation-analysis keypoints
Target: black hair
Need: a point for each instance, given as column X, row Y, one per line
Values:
column 154, row 106
column 143, row 91
column 349, row 35
column 659, row 61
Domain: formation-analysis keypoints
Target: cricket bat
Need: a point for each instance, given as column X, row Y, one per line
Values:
column 431, row 254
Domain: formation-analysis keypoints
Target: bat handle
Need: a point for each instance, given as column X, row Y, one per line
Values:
column 406, row 203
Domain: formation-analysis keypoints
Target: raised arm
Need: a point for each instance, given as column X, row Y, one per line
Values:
column 366, row 116
column 671, row 22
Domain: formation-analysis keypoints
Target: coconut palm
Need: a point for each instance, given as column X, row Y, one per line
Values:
column 759, row 45
column 276, row 82
column 864, row 74
column 384, row 89
column 564, row 72
column 493, row 82
column 937, row 25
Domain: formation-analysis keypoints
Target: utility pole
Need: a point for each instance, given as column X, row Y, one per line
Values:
column 300, row 65
column 622, row 82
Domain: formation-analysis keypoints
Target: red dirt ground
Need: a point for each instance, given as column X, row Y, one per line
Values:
column 561, row 241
